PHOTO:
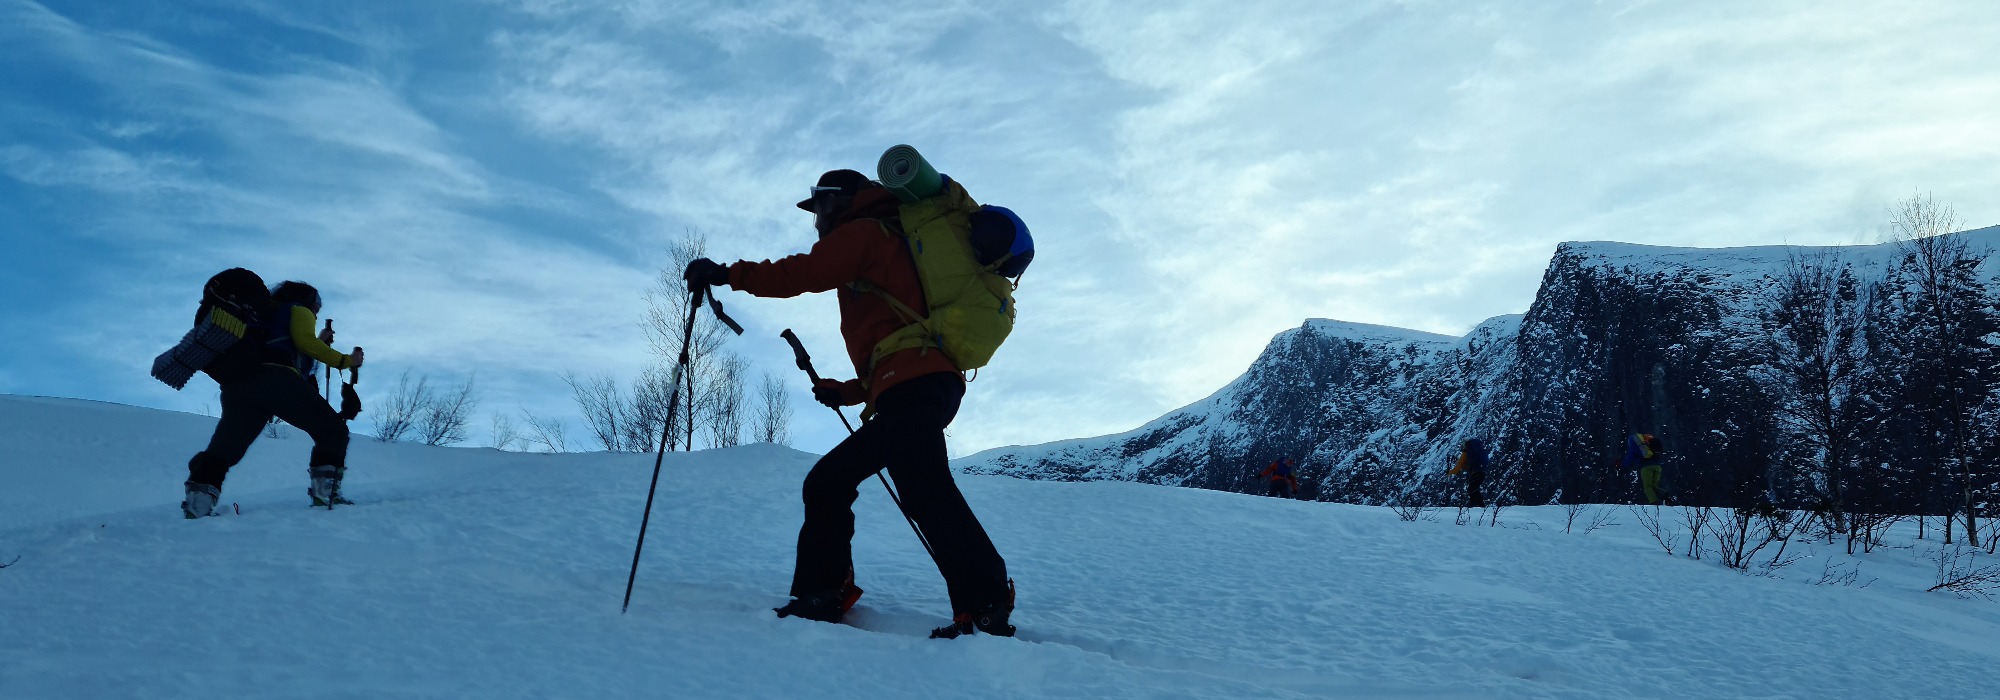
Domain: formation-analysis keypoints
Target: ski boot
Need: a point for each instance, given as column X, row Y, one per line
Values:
column 325, row 489
column 200, row 500
column 991, row 619
column 825, row 606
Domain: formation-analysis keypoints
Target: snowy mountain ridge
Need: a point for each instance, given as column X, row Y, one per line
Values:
column 1368, row 332
column 1620, row 338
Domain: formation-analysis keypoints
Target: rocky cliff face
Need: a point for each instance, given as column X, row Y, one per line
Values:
column 1620, row 339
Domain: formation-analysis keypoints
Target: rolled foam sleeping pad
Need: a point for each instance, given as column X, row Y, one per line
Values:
column 905, row 172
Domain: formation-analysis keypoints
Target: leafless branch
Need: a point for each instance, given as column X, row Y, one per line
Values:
column 774, row 412
column 549, row 433
column 1960, row 571
column 504, row 434
column 442, row 419
column 1649, row 518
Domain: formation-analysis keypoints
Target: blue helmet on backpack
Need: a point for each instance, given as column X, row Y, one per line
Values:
column 999, row 235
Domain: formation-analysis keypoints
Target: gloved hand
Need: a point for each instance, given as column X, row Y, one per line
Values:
column 834, row 394
column 703, row 272
column 354, row 358
column 350, row 402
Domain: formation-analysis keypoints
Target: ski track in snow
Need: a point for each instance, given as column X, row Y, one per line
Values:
column 474, row 573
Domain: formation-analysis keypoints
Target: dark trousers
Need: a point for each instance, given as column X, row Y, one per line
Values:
column 249, row 403
column 1280, row 488
column 1472, row 495
column 906, row 436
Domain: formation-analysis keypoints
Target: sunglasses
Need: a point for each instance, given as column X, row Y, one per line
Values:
column 823, row 197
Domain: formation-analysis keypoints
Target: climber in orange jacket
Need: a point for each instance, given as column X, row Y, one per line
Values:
column 1284, row 484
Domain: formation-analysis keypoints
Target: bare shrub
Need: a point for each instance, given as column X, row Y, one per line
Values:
column 774, row 412
column 503, row 434
column 723, row 404
column 1696, row 519
column 397, row 416
column 1649, row 518
column 604, row 409
column 1411, row 511
column 1601, row 518
column 1868, row 530
column 549, row 433
column 442, row 418
column 1833, row 574
column 1962, row 571
column 1594, row 518
column 667, row 304
column 1744, row 532
column 646, row 411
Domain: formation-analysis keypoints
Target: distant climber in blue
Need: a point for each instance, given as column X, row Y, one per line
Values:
column 1642, row 452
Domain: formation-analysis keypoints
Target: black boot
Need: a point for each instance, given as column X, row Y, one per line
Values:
column 825, row 606
column 990, row 619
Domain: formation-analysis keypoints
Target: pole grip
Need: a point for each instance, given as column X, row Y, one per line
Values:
column 799, row 354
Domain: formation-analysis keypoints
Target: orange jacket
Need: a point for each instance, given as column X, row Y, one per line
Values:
column 857, row 248
column 1279, row 472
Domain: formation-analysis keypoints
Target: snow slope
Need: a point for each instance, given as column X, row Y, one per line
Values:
column 475, row 573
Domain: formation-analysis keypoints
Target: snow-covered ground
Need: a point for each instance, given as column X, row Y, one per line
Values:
column 475, row 573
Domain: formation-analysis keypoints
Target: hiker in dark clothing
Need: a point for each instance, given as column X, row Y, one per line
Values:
column 913, row 394
column 261, row 379
column 1284, row 484
column 1472, row 461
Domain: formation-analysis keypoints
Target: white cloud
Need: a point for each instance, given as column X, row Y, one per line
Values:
column 1199, row 175
column 328, row 174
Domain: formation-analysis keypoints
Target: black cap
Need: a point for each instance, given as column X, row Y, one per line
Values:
column 848, row 182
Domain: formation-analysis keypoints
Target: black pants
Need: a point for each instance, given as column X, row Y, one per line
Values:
column 1280, row 488
column 906, row 437
column 1472, row 482
column 249, row 403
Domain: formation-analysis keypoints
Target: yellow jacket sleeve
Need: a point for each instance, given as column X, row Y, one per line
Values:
column 303, row 338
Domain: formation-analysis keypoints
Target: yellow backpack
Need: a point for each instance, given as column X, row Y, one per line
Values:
column 970, row 306
column 1646, row 445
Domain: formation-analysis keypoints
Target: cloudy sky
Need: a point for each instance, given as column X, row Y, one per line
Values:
column 490, row 187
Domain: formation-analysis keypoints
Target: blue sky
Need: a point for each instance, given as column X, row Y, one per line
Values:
column 490, row 186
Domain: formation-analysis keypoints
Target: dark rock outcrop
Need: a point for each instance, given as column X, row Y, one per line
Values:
column 1620, row 338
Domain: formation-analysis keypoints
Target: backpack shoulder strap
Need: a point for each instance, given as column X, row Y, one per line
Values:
column 893, row 229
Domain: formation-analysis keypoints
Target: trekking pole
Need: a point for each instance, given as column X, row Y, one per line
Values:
column 666, row 432
column 805, row 363
column 326, row 335
column 332, row 497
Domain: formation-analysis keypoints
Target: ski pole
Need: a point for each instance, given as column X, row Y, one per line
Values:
column 666, row 431
column 805, row 363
